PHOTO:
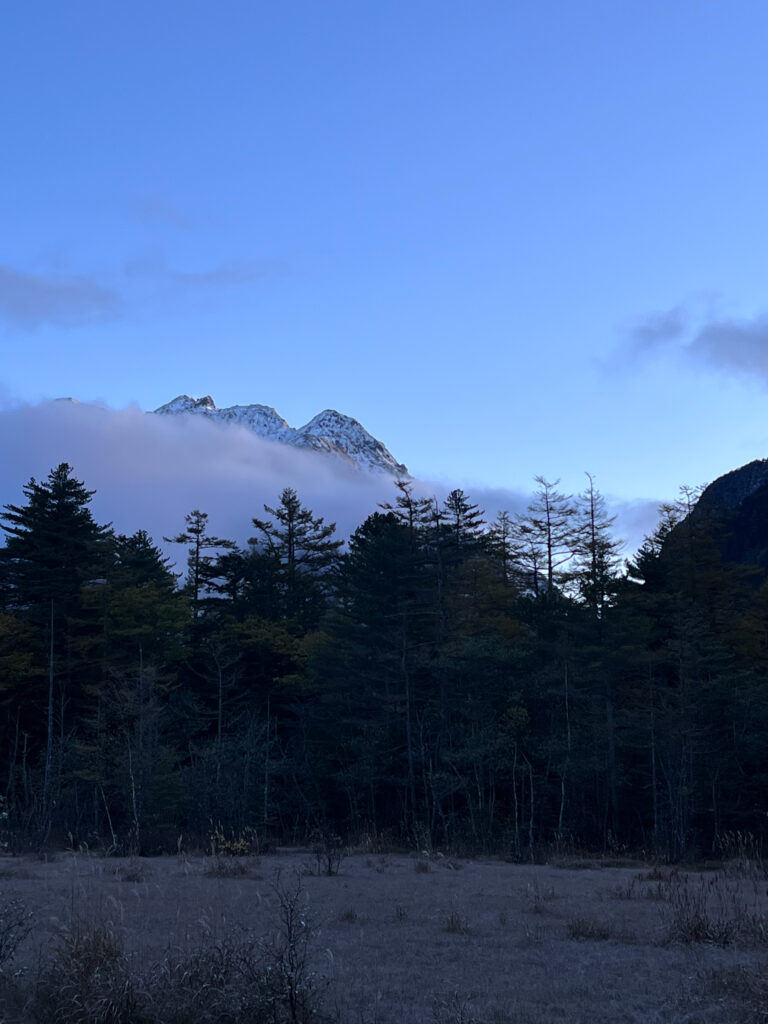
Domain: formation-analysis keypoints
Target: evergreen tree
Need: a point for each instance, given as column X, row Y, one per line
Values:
column 500, row 544
column 463, row 522
column 305, row 554
column 199, row 564
column 53, row 547
column 597, row 561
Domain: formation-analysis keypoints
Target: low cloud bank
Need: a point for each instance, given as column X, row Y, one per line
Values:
column 149, row 471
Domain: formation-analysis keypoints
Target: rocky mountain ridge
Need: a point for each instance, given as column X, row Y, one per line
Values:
column 734, row 509
column 330, row 432
column 731, row 489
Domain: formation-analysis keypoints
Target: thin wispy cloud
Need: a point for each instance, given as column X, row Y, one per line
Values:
column 156, row 210
column 703, row 336
column 657, row 329
column 28, row 301
column 740, row 346
column 229, row 273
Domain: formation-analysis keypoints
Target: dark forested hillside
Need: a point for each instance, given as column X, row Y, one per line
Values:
column 501, row 686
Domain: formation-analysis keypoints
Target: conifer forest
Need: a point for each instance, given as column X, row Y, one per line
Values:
column 498, row 686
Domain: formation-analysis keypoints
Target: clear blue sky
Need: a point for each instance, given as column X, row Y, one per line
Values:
column 510, row 238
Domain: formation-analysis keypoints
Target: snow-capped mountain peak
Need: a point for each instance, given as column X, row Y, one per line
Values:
column 329, row 432
column 183, row 403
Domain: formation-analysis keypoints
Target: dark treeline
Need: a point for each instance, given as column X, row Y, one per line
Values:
column 441, row 680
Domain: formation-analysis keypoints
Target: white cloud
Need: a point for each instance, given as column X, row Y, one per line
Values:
column 150, row 471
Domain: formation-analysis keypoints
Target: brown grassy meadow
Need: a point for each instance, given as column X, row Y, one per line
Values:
column 392, row 938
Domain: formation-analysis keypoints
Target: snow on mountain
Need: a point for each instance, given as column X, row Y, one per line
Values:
column 329, row 432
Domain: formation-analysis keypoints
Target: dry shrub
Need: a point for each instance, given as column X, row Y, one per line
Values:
column 453, row 1009
column 660, row 891
column 15, row 925
column 456, row 924
column 452, row 865
column 226, row 867
column 328, row 851
column 16, row 872
column 574, row 864
column 230, row 843
column 741, row 852
column 588, row 928
column 89, row 979
column 714, row 910
column 133, row 871
column 741, row 987
column 539, row 896
column 86, row 981
column 659, row 874
column 623, row 892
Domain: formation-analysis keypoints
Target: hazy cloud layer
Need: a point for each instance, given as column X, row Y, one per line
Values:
column 33, row 300
column 149, row 471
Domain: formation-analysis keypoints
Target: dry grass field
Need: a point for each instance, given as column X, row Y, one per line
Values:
column 390, row 939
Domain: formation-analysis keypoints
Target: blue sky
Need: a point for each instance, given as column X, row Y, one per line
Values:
column 510, row 238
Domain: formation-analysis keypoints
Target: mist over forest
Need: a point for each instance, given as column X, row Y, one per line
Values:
column 149, row 471
column 445, row 678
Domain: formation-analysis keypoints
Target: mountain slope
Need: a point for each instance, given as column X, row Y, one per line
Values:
column 734, row 509
column 329, row 432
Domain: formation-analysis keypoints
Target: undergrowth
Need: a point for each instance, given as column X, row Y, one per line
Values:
column 89, row 978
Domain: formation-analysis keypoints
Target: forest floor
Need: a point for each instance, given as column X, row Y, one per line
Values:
column 399, row 939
